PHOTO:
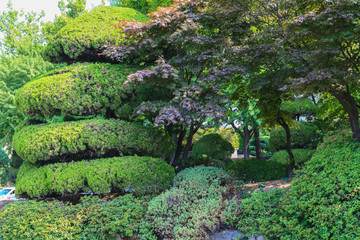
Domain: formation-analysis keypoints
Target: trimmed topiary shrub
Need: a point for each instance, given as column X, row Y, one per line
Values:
column 258, row 170
column 84, row 89
column 194, row 209
column 93, row 218
column 213, row 146
column 89, row 139
column 306, row 135
column 301, row 156
column 84, row 37
column 324, row 200
column 139, row 174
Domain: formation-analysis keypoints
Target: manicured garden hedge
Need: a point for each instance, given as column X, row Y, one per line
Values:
column 85, row 37
column 213, row 146
column 139, row 174
column 92, row 219
column 305, row 135
column 324, row 200
column 82, row 89
column 89, row 139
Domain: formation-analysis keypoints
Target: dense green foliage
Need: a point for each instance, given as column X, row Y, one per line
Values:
column 324, row 200
column 193, row 209
column 89, row 139
column 213, row 146
column 301, row 156
column 300, row 108
column 143, row 6
column 84, row 37
column 84, row 89
column 139, row 174
column 304, row 135
column 262, row 170
column 93, row 218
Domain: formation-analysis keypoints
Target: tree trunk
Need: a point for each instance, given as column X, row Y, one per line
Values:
column 178, row 143
column 193, row 130
column 349, row 104
column 257, row 143
column 291, row 166
column 248, row 135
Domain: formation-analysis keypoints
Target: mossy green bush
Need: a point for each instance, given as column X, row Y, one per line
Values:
column 324, row 200
column 93, row 218
column 89, row 139
column 84, row 37
column 305, row 135
column 139, row 174
column 81, row 89
column 301, row 156
column 213, row 146
column 194, row 209
column 258, row 170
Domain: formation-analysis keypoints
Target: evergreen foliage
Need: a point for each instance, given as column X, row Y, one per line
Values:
column 93, row 218
column 132, row 173
column 213, row 146
column 86, row 139
column 303, row 135
column 143, row 6
column 83, row 38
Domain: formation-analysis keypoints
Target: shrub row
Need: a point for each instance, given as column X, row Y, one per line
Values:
column 91, row 219
column 84, row 37
column 84, row 89
column 196, row 208
column 89, row 139
column 304, row 135
column 139, row 174
column 324, row 200
column 261, row 170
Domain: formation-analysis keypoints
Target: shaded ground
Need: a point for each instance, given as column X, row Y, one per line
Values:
column 267, row 186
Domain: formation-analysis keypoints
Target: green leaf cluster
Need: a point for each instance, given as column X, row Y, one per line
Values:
column 93, row 218
column 143, row 6
column 213, row 146
column 120, row 174
column 84, row 89
column 89, row 139
column 193, row 209
column 84, row 37
column 324, row 200
column 303, row 135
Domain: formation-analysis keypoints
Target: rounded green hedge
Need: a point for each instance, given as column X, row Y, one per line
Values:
column 324, row 200
column 89, row 139
column 93, row 218
column 84, row 37
column 121, row 174
column 305, row 135
column 213, row 146
column 82, row 90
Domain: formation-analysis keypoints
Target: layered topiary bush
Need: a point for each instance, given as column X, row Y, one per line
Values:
column 139, row 174
column 213, row 146
column 84, row 37
column 305, row 135
column 324, row 200
column 91, row 219
column 82, row 90
column 196, row 208
column 85, row 139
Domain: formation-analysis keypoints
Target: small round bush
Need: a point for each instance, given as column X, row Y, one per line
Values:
column 324, row 200
column 301, row 156
column 194, row 209
column 101, row 176
column 84, row 37
column 93, row 218
column 213, row 146
column 305, row 135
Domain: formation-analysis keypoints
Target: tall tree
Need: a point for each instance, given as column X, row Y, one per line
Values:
column 190, row 48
